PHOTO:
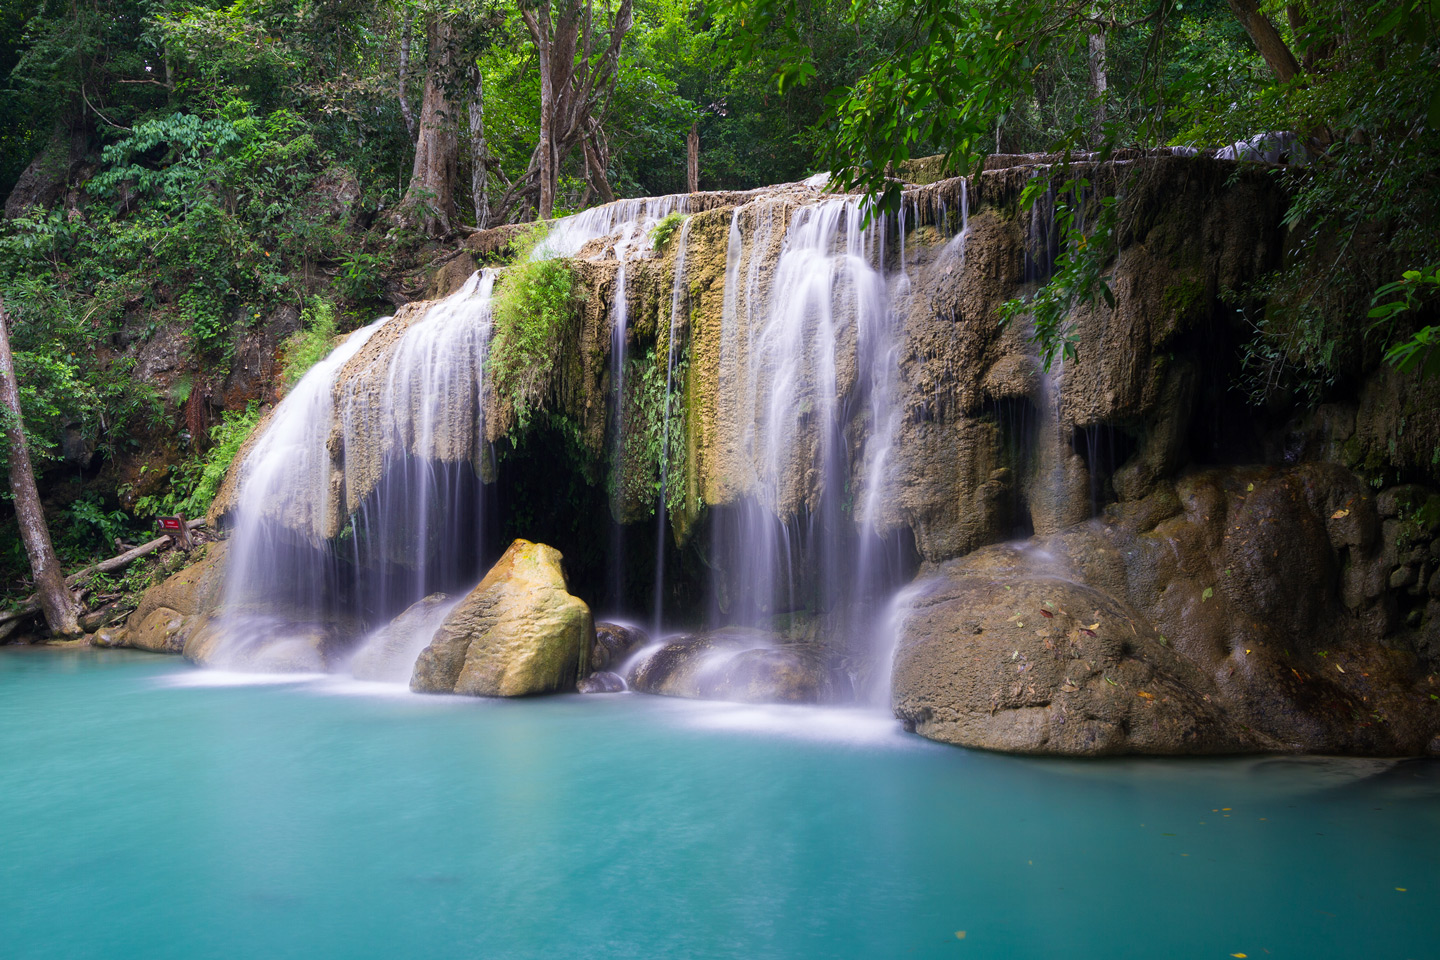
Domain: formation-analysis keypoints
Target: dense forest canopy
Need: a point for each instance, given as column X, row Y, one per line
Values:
column 194, row 169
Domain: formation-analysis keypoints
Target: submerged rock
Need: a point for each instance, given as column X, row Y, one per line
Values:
column 174, row 610
column 519, row 632
column 1237, row 609
column 602, row 681
column 733, row 664
column 613, row 643
column 389, row 654
column 268, row 643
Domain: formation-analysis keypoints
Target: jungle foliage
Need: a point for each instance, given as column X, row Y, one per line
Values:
column 184, row 175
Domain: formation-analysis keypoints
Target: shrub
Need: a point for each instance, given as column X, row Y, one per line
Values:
column 534, row 304
column 663, row 231
column 311, row 343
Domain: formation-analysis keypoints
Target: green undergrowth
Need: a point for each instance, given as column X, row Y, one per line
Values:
column 535, row 303
column 311, row 343
column 195, row 480
column 636, row 478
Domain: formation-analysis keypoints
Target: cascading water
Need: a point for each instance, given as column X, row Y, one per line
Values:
column 628, row 218
column 672, row 351
column 278, row 546
column 804, row 345
column 810, row 344
column 307, row 567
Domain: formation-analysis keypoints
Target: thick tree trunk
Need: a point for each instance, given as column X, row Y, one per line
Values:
column 430, row 199
column 576, row 83
column 1277, row 55
column 55, row 598
column 692, row 159
column 479, row 155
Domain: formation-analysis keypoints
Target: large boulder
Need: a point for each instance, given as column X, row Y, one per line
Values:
column 389, row 654
column 1235, row 609
column 734, row 664
column 1002, row 655
column 172, row 611
column 519, row 632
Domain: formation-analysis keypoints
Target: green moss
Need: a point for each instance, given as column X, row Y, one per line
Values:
column 534, row 306
column 1182, row 297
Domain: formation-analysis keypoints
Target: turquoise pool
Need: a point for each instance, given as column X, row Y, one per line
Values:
column 153, row 810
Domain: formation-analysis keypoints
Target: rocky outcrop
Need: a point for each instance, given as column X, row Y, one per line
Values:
column 172, row 612
column 389, row 654
column 519, row 632
column 734, row 664
column 601, row 681
column 1237, row 609
column 613, row 643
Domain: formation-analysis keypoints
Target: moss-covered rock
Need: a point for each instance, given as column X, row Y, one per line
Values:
column 172, row 611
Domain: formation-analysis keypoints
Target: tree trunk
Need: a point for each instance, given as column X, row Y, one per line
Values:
column 55, row 598
column 404, row 80
column 1277, row 55
column 547, row 124
column 692, row 159
column 479, row 154
column 1099, row 81
column 430, row 198
column 577, row 80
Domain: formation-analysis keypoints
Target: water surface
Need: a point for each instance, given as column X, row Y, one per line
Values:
column 154, row 810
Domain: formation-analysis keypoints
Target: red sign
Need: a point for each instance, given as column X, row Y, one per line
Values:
column 169, row 524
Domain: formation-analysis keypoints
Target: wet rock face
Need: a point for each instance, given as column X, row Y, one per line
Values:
column 613, row 643
column 602, row 681
column 1252, row 605
column 389, row 653
column 519, row 632
column 734, row 664
column 999, row 656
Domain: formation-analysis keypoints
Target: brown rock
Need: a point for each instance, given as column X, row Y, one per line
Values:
column 519, row 632
column 172, row 611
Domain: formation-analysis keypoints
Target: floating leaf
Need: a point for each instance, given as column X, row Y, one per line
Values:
column 1207, row 594
column 1111, row 682
column 1339, row 514
column 1250, row 488
column 1242, row 955
column 1147, row 696
column 1401, row 890
column 1046, row 614
column 1094, row 626
column 959, row 934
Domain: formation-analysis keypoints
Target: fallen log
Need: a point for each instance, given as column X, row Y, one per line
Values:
column 32, row 604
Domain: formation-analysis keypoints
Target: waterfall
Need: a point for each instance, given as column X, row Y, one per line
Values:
column 569, row 235
column 804, row 343
column 307, row 567
column 672, row 349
